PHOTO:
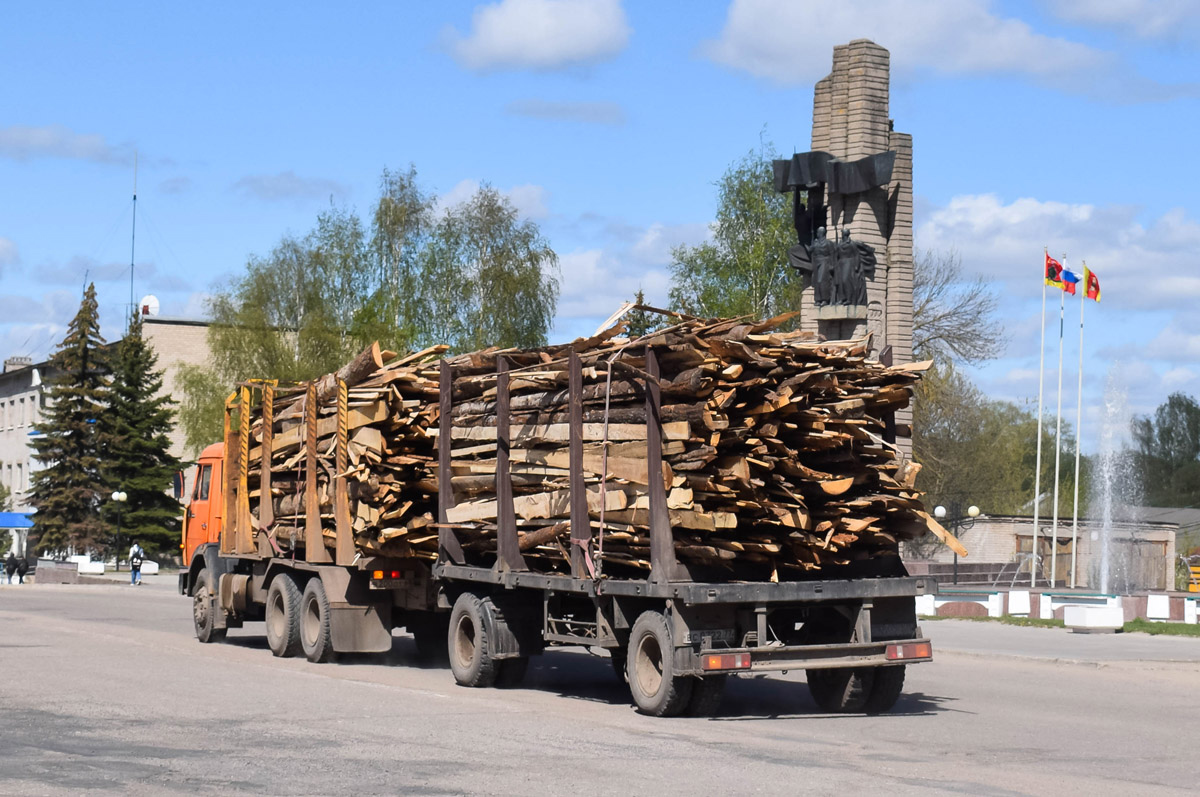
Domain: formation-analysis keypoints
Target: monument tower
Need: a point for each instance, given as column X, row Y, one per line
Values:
column 856, row 186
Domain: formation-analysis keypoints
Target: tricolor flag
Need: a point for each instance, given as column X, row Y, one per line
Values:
column 1091, row 284
column 1069, row 279
column 1053, row 272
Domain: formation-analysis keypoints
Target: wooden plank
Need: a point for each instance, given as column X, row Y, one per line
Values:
column 662, row 545
column 266, row 509
column 561, row 432
column 581, row 527
column 314, row 540
column 448, row 544
column 508, row 550
column 244, row 539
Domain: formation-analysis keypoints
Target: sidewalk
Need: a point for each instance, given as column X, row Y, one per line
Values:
column 978, row 638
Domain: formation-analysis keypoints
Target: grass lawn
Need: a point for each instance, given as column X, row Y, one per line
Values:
column 1132, row 627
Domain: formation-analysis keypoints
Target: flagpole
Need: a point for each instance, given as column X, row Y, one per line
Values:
column 1037, row 475
column 1062, row 306
column 1078, row 433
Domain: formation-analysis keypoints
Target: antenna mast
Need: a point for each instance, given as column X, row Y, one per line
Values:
column 133, row 241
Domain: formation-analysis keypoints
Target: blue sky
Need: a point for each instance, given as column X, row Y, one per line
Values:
column 1067, row 123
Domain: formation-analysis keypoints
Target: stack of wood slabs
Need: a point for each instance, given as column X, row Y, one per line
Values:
column 774, row 458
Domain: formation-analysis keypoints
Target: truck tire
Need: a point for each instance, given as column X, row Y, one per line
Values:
column 656, row 689
column 315, row 635
column 283, row 616
column 886, row 689
column 706, row 695
column 470, row 655
column 511, row 672
column 842, row 690
column 204, row 610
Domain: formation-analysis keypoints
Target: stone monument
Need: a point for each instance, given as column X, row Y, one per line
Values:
column 853, row 211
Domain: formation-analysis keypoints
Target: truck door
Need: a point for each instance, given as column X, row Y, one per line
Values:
column 200, row 526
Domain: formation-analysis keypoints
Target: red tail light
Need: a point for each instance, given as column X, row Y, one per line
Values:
column 912, row 650
column 727, row 661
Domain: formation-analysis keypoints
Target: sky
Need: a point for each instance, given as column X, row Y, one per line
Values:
column 1068, row 124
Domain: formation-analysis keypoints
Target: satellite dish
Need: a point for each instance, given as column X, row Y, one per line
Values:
column 149, row 305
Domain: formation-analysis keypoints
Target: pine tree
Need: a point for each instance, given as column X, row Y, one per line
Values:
column 139, row 463
column 639, row 322
column 67, row 491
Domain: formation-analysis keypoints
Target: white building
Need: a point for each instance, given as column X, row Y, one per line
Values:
column 21, row 405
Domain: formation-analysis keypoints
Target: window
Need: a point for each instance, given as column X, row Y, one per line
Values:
column 20, row 483
column 202, row 483
column 21, row 419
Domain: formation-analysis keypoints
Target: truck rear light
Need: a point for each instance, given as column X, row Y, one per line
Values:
column 377, row 574
column 912, row 650
column 380, row 575
column 727, row 661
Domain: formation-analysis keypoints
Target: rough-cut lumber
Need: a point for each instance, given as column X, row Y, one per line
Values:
column 776, row 460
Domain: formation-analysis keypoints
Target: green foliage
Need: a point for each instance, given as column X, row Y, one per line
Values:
column 138, row 463
column 1166, row 452
column 489, row 279
column 5, row 499
column 743, row 270
column 978, row 451
column 641, row 322
column 69, row 488
column 477, row 277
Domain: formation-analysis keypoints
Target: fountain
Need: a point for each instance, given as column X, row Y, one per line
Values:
column 1115, row 484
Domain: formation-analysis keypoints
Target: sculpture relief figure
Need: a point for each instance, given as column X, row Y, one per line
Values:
column 855, row 265
column 824, row 259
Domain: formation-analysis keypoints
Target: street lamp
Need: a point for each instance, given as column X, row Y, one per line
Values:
column 118, row 498
column 956, row 524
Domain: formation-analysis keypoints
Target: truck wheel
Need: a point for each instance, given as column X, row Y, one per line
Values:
column 204, row 611
column 315, row 635
column 885, row 691
column 470, row 655
column 656, row 689
column 283, row 616
column 511, row 672
column 841, row 690
column 706, row 696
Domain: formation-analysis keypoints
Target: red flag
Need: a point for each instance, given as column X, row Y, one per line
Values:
column 1053, row 272
column 1091, row 284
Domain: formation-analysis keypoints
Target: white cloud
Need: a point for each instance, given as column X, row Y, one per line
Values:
column 9, row 255
column 945, row 36
column 594, row 113
column 655, row 244
column 1178, row 377
column 197, row 305
column 23, row 142
column 288, row 185
column 540, row 34
column 1155, row 267
column 528, row 199
column 1170, row 20
column 595, row 282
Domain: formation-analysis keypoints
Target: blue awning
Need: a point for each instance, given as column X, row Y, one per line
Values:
column 16, row 520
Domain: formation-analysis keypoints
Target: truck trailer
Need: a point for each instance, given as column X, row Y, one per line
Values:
column 476, row 591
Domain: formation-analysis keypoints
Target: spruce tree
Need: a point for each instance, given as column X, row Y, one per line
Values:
column 67, row 491
column 138, row 462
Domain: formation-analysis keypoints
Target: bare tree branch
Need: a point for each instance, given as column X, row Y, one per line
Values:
column 953, row 317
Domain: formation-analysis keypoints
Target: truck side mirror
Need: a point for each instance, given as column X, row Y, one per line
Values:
column 177, row 485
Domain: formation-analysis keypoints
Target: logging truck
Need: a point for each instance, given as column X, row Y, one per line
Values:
column 674, row 636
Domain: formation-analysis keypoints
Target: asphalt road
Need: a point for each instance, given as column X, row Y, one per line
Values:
column 105, row 688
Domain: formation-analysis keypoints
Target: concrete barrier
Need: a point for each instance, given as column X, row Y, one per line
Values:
column 1158, row 608
column 90, row 568
column 1053, row 601
column 1019, row 604
column 1094, row 619
column 1190, row 610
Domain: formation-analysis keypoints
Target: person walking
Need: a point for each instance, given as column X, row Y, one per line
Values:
column 10, row 566
column 22, row 569
column 136, row 555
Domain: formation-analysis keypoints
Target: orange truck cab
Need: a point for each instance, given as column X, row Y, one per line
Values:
column 204, row 507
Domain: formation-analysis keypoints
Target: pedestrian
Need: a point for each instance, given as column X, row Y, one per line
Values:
column 136, row 555
column 22, row 569
column 10, row 566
